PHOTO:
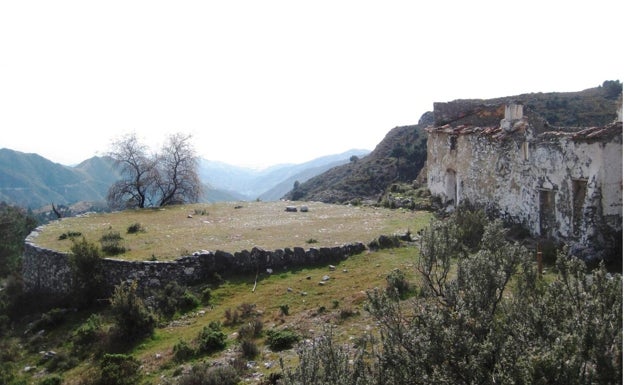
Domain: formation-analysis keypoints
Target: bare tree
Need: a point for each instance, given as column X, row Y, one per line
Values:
column 178, row 180
column 167, row 178
column 138, row 171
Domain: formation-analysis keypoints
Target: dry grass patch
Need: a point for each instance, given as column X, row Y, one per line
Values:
column 176, row 231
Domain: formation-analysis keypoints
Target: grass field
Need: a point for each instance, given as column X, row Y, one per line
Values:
column 175, row 231
column 338, row 303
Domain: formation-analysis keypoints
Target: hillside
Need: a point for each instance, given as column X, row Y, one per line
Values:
column 30, row 180
column 401, row 155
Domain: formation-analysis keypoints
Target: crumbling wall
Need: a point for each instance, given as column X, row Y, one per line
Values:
column 536, row 181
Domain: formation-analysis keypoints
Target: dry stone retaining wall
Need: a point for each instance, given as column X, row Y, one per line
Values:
column 48, row 271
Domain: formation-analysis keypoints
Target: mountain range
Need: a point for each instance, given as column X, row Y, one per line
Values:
column 30, row 180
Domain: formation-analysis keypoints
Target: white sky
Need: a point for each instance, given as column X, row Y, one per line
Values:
column 265, row 82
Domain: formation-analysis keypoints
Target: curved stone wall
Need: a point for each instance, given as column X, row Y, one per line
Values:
column 48, row 271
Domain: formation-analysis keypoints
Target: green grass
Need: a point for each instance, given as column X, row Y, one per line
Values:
column 181, row 230
column 344, row 293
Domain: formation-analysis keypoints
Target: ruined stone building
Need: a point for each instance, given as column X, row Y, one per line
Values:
column 563, row 183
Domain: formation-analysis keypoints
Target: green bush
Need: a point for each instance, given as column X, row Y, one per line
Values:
column 397, row 285
column 279, row 340
column 111, row 243
column 132, row 318
column 89, row 332
column 211, row 338
column 182, row 351
column 284, row 309
column 119, row 369
column 175, row 298
column 88, row 275
column 204, row 374
column 206, row 296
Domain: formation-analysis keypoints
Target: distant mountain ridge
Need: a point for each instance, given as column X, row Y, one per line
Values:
column 32, row 181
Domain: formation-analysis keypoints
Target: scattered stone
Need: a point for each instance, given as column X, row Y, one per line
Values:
column 309, row 277
column 189, row 216
column 332, row 267
column 291, row 209
column 326, row 278
column 29, row 368
column 303, row 209
column 304, row 293
column 289, row 290
column 322, row 283
column 158, row 356
column 268, row 365
column 269, row 271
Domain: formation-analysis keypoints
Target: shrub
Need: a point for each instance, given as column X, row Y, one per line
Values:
column 281, row 339
column 203, row 374
column 111, row 243
column 284, row 309
column 135, row 228
column 231, row 317
column 50, row 320
column 397, row 285
column 249, row 349
column 250, row 330
column 247, row 310
column 132, row 318
column 69, row 235
column 174, row 297
column 182, row 351
column 53, row 380
column 211, row 338
column 88, row 276
column 89, row 331
column 119, row 369
column 206, row 296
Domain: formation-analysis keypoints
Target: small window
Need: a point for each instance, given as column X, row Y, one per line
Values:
column 525, row 151
column 452, row 142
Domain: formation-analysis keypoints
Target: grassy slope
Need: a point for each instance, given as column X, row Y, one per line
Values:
column 170, row 233
column 344, row 293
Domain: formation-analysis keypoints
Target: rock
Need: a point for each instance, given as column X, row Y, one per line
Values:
column 291, row 209
column 326, row 278
column 303, row 209
column 289, row 290
column 332, row 267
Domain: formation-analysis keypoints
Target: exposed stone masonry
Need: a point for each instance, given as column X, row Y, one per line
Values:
column 49, row 271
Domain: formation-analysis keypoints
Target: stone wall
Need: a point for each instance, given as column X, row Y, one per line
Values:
column 48, row 271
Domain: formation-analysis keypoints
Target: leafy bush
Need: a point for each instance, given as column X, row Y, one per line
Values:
column 284, row 309
column 281, row 339
column 132, row 318
column 206, row 296
column 50, row 319
column 211, row 338
column 173, row 298
column 119, row 369
column 87, row 272
column 182, row 351
column 111, row 243
column 16, row 224
column 89, row 332
column 397, row 284
column 204, row 374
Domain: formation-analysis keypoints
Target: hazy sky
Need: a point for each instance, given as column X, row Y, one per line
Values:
column 264, row 82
